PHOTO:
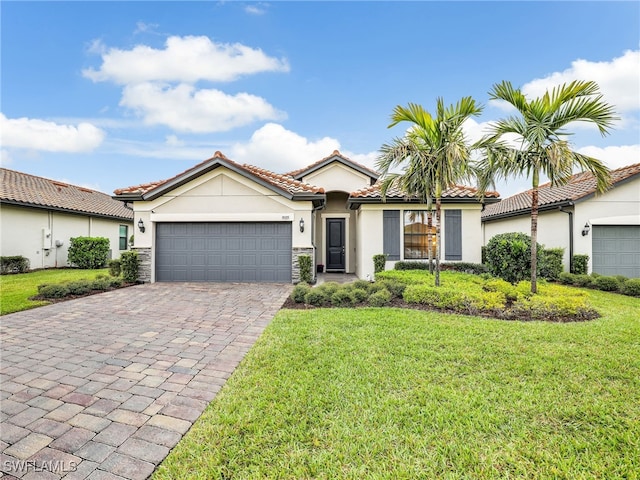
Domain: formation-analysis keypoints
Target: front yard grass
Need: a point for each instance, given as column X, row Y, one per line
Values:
column 396, row 393
column 15, row 290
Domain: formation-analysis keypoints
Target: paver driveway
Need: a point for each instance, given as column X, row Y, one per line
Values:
column 104, row 386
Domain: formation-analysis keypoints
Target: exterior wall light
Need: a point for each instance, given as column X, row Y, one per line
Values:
column 585, row 230
column 141, row 226
column 301, row 225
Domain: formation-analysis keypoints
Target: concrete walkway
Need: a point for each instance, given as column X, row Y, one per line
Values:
column 104, row 386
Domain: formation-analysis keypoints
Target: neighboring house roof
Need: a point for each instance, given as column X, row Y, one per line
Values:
column 580, row 187
column 282, row 184
column 336, row 156
column 457, row 194
column 17, row 188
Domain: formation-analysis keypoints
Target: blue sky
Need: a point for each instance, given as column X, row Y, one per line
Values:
column 112, row 94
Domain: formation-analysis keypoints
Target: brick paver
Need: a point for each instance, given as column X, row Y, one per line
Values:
column 104, row 386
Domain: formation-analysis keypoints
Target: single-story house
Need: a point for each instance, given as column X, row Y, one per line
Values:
column 39, row 216
column 222, row 221
column 605, row 227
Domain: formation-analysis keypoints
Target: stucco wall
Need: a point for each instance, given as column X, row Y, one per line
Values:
column 337, row 177
column 22, row 234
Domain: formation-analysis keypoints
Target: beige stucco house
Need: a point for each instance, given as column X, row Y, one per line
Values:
column 606, row 227
column 38, row 217
column 222, row 221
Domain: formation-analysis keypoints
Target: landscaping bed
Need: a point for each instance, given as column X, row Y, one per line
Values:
column 462, row 293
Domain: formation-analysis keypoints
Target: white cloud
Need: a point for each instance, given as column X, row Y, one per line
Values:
column 256, row 8
column 5, row 158
column 184, row 59
column 614, row 156
column 186, row 109
column 35, row 134
column 618, row 79
column 281, row 150
column 142, row 27
column 173, row 141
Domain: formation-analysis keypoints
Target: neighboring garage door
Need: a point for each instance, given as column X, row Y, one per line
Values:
column 616, row 250
column 223, row 252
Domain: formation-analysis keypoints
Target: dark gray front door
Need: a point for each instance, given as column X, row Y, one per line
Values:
column 616, row 250
column 335, row 243
column 223, row 252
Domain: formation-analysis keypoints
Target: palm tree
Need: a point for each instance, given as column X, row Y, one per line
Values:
column 434, row 154
column 542, row 147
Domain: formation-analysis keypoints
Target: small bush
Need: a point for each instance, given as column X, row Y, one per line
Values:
column 88, row 252
column 395, row 287
column 566, row 278
column 115, row 282
column 359, row 294
column 316, row 297
column 380, row 298
column 14, row 264
column 541, row 308
column 115, row 268
column 299, row 292
column 631, row 287
column 582, row 280
column 580, row 264
column 304, row 263
column 509, row 256
column 411, row 266
column 465, row 267
column 499, row 285
column 361, row 284
column 343, row 297
column 53, row 291
column 606, row 284
column 79, row 287
column 379, row 262
column 129, row 263
column 329, row 288
column 551, row 263
column 621, row 278
column 102, row 284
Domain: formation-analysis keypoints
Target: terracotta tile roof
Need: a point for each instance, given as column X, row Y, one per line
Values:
column 336, row 153
column 24, row 189
column 580, row 185
column 285, row 182
column 459, row 191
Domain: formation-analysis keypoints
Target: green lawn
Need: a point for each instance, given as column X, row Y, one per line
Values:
column 392, row 393
column 15, row 290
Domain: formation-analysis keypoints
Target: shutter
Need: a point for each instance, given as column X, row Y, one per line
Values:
column 453, row 235
column 391, row 234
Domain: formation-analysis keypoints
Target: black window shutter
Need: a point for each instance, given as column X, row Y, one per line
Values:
column 453, row 235
column 391, row 234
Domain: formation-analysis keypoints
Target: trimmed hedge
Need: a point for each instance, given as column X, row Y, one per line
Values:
column 631, row 287
column 508, row 256
column 551, row 263
column 88, row 252
column 14, row 264
column 304, row 263
column 129, row 263
column 580, row 264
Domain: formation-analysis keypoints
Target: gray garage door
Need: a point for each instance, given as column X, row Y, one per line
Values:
column 223, row 252
column 616, row 250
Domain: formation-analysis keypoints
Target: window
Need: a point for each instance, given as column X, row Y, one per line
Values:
column 124, row 237
column 416, row 235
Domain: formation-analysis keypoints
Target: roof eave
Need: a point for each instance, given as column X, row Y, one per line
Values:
column 527, row 211
column 65, row 210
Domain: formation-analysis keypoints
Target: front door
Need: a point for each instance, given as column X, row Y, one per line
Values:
column 335, row 244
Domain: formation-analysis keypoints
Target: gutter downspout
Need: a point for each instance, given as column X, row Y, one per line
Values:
column 570, row 213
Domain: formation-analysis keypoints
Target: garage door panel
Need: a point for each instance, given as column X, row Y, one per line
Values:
column 616, row 250
column 223, row 252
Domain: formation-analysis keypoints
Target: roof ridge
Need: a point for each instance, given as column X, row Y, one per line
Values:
column 335, row 153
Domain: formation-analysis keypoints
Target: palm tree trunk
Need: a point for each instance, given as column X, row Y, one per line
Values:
column 430, row 239
column 534, row 233
column 438, row 205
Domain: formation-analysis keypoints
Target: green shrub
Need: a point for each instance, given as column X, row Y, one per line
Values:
column 411, row 266
column 582, row 280
column 379, row 262
column 343, row 297
column 551, row 263
column 359, row 294
column 566, row 278
column 553, row 307
column 621, row 278
column 115, row 268
column 361, row 284
column 102, row 284
column 329, row 288
column 317, row 297
column 631, row 287
column 606, row 284
column 464, row 267
column 88, row 252
column 395, row 287
column 580, row 264
column 56, row 290
column 299, row 292
column 115, row 282
column 408, row 277
column 304, row 263
column 499, row 285
column 509, row 256
column 79, row 287
column 14, row 264
column 380, row 298
column 129, row 263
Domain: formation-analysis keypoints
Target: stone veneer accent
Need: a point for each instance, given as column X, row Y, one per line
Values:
column 295, row 267
column 144, row 264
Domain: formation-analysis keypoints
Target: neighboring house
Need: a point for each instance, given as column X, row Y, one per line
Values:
column 39, row 216
column 606, row 227
column 222, row 221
